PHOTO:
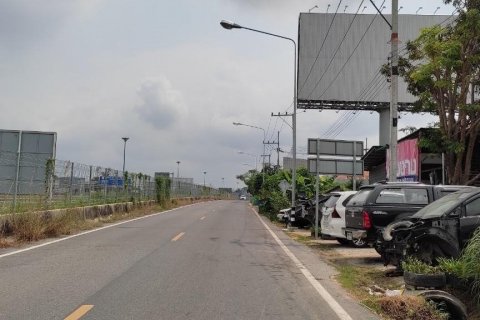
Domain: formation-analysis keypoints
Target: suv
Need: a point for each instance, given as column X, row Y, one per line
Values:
column 333, row 217
column 441, row 229
column 375, row 206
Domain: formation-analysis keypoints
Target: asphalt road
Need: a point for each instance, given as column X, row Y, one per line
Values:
column 213, row 260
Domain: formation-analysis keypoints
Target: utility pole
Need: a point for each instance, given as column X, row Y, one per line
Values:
column 394, row 95
column 266, row 155
column 278, row 149
column 281, row 115
column 273, row 142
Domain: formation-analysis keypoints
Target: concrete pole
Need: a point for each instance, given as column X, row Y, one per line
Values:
column 394, row 95
column 354, row 182
column 317, row 183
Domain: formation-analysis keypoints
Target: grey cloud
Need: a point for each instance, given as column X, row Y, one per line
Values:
column 23, row 21
column 161, row 105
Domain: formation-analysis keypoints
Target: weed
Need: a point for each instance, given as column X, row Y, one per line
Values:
column 28, row 226
column 409, row 307
column 411, row 264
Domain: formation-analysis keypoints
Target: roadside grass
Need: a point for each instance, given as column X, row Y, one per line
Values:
column 309, row 241
column 363, row 282
column 33, row 226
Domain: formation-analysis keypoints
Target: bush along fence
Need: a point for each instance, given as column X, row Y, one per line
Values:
column 52, row 184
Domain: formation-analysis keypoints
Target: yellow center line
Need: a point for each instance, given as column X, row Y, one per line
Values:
column 80, row 312
column 202, row 218
column 178, row 236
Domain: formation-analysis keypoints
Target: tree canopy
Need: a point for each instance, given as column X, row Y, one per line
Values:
column 441, row 69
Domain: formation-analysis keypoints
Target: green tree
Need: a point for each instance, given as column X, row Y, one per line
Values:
column 441, row 68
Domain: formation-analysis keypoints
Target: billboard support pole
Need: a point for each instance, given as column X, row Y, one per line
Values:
column 394, row 95
column 317, row 183
column 17, row 171
column 354, row 182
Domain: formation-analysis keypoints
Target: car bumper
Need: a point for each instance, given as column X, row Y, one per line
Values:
column 351, row 234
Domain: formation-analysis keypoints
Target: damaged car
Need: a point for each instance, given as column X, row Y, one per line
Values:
column 441, row 229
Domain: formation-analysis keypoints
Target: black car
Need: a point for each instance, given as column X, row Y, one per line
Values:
column 441, row 229
column 376, row 206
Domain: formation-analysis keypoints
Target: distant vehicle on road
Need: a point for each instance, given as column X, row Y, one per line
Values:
column 243, row 197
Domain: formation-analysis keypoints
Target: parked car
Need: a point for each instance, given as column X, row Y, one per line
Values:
column 376, row 206
column 441, row 229
column 333, row 217
column 243, row 197
column 303, row 214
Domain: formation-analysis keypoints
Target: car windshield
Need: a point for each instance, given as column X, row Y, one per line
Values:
column 442, row 206
column 360, row 198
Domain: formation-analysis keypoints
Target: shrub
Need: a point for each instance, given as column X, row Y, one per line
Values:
column 470, row 264
column 162, row 190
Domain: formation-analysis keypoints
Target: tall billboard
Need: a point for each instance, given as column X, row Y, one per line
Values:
column 336, row 65
column 23, row 160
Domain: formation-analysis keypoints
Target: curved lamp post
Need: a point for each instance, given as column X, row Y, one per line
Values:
column 252, row 155
column 231, row 25
column 264, row 137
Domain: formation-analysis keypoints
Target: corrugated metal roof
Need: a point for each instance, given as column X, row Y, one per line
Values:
column 363, row 66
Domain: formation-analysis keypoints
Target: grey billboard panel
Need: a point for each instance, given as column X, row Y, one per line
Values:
column 7, row 172
column 35, row 149
column 334, row 147
column 325, row 77
column 37, row 143
column 9, row 141
column 330, row 166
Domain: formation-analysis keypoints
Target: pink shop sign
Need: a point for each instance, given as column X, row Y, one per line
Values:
column 407, row 160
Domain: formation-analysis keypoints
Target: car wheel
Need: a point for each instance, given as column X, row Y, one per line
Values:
column 342, row 241
column 359, row 243
column 429, row 252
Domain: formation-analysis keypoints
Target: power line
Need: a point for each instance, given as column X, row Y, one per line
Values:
column 321, row 47
column 336, row 50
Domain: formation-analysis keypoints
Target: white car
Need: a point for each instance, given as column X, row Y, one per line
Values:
column 333, row 217
column 243, row 197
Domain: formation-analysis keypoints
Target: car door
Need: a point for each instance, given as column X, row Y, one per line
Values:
column 470, row 220
column 395, row 202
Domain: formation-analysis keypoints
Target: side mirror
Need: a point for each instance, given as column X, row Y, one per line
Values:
column 455, row 213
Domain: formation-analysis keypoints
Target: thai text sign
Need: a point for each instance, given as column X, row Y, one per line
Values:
column 407, row 160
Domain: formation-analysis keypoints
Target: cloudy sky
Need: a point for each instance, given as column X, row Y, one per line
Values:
column 165, row 74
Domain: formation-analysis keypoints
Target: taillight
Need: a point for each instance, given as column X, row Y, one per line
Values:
column 367, row 223
column 335, row 214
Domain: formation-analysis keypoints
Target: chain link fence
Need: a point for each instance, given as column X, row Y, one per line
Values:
column 50, row 184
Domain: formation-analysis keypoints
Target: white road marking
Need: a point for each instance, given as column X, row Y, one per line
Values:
column 87, row 232
column 178, row 236
column 202, row 218
column 336, row 307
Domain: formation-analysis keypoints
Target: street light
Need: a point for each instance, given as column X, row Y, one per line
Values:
column 125, row 139
column 230, row 25
column 204, row 174
column 264, row 137
column 252, row 155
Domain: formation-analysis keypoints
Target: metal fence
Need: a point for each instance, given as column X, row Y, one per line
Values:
column 59, row 184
